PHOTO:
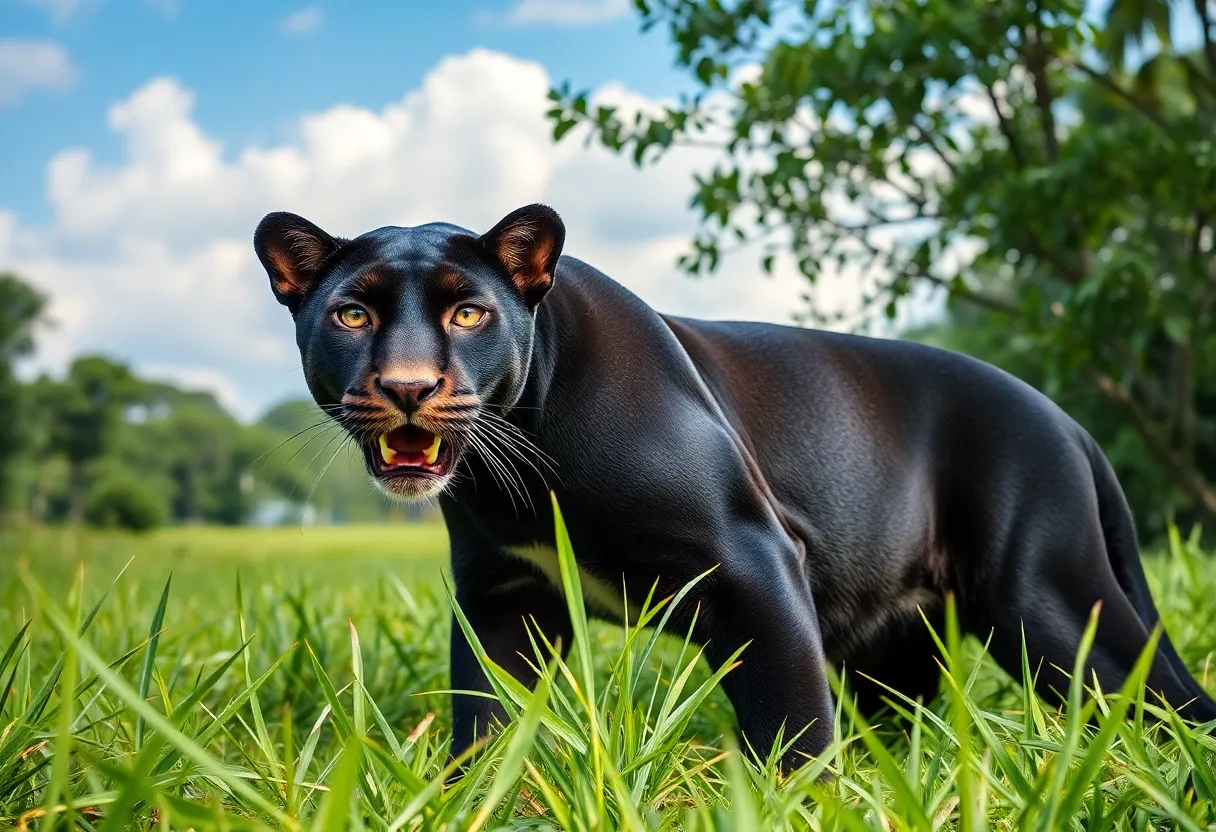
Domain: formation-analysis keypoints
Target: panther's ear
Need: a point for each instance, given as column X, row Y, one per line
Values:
column 292, row 250
column 527, row 242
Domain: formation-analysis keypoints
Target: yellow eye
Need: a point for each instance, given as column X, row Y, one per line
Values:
column 355, row 317
column 468, row 316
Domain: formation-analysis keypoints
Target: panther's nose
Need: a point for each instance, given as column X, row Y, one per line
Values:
column 408, row 395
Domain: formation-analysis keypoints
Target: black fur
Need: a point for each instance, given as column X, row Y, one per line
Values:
column 839, row 483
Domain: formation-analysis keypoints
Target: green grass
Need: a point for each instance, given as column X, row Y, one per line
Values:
column 336, row 565
column 306, row 696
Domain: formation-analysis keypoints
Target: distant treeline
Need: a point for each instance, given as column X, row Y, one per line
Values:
column 105, row 447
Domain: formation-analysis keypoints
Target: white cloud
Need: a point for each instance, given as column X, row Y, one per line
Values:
column 169, row 8
column 28, row 65
column 303, row 21
column 149, row 259
column 567, row 12
column 195, row 378
column 60, row 10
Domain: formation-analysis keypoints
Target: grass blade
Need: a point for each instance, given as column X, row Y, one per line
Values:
column 156, row 720
column 336, row 807
column 145, row 673
column 523, row 736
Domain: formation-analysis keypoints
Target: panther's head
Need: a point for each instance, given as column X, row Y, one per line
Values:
column 414, row 339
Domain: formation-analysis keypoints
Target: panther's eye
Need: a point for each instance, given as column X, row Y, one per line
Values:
column 353, row 316
column 468, row 316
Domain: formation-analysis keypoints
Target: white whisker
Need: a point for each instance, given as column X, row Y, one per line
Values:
column 507, row 476
column 324, row 448
column 517, row 446
column 492, row 464
column 317, row 481
column 269, row 454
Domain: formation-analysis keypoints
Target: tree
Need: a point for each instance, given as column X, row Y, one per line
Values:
column 20, row 311
column 1015, row 154
column 84, row 413
column 117, row 498
column 113, row 449
column 21, row 308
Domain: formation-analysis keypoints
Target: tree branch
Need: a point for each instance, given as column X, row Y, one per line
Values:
column 1184, row 471
column 1205, row 27
column 965, row 292
column 1036, row 62
column 932, row 145
column 1108, row 83
column 1015, row 146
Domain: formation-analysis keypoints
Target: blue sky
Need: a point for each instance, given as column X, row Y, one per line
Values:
column 143, row 139
column 254, row 72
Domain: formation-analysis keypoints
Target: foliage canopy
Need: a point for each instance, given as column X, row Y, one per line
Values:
column 1055, row 171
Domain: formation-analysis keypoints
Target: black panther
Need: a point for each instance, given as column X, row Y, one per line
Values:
column 841, row 485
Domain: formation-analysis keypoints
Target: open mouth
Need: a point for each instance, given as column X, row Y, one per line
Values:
column 411, row 451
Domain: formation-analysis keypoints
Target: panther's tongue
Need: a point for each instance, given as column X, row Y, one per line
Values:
column 410, row 445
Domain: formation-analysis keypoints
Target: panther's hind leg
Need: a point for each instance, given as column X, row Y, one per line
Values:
column 903, row 658
column 1047, row 590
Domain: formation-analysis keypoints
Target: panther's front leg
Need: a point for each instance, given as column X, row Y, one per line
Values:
column 500, row 602
column 760, row 597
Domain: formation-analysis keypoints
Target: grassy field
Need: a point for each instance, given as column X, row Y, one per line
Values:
column 308, row 696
